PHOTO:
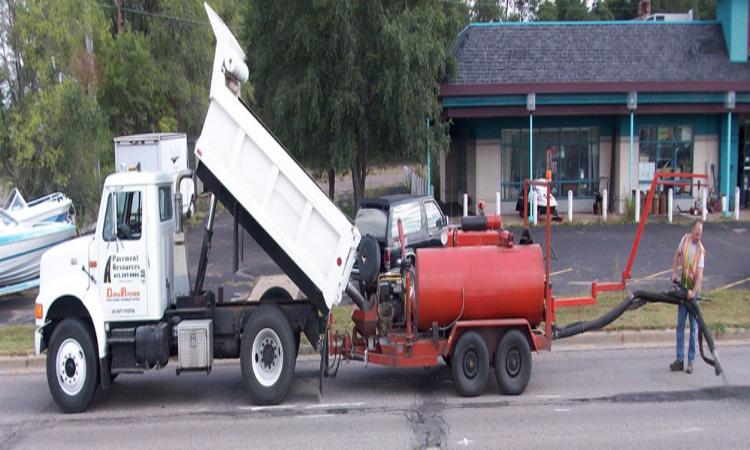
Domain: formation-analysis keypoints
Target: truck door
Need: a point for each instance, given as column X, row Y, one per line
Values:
column 165, row 260
column 123, row 260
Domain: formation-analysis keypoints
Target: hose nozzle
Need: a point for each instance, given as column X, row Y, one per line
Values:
column 717, row 365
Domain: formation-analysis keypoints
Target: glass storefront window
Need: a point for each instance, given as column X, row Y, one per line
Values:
column 573, row 160
column 665, row 149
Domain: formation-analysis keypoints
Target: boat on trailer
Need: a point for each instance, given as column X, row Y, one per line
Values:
column 53, row 207
column 21, row 249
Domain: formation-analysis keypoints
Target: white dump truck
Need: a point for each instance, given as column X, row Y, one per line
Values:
column 107, row 303
column 157, row 152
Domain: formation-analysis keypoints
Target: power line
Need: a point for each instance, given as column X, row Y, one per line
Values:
column 162, row 16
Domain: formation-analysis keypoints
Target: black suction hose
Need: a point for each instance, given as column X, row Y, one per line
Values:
column 636, row 300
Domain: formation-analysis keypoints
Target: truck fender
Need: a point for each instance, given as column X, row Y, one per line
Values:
column 68, row 305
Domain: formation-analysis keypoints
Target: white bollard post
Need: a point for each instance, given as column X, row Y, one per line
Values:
column 497, row 204
column 724, row 205
column 570, row 206
column 604, row 205
column 637, row 206
column 466, row 205
column 670, row 202
column 704, row 204
column 534, row 208
column 737, row 203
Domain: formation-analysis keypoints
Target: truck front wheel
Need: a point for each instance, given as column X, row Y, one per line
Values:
column 268, row 355
column 72, row 368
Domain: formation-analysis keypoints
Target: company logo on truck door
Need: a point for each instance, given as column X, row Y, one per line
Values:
column 123, row 268
column 122, row 295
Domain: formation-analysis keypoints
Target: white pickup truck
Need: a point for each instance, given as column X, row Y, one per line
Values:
column 107, row 305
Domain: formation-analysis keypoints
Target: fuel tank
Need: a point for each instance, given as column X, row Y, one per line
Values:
column 478, row 282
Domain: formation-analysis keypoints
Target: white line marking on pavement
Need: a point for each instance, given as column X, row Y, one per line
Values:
column 315, row 416
column 560, row 272
column 265, row 408
column 733, row 284
column 335, row 405
column 548, row 396
column 465, row 442
column 562, row 410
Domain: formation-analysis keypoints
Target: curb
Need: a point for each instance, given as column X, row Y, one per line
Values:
column 593, row 340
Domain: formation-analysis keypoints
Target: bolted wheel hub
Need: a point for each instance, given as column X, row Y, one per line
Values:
column 513, row 362
column 471, row 364
column 71, row 367
column 268, row 354
column 267, row 357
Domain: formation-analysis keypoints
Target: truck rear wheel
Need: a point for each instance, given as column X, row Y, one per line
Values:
column 513, row 362
column 268, row 355
column 72, row 369
column 471, row 364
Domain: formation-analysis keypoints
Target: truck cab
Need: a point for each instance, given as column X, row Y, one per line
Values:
column 123, row 273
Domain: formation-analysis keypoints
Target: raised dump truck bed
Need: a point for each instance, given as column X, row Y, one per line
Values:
column 241, row 162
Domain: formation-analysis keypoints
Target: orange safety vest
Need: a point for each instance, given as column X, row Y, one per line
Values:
column 689, row 265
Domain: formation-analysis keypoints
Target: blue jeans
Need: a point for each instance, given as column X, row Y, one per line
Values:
column 682, row 314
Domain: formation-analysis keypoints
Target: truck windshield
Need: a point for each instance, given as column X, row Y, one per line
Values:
column 372, row 221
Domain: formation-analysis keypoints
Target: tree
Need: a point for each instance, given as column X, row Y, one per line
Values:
column 53, row 131
column 165, row 87
column 344, row 83
column 600, row 11
column 487, row 11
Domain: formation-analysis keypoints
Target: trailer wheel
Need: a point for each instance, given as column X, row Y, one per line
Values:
column 268, row 355
column 513, row 362
column 471, row 364
column 72, row 369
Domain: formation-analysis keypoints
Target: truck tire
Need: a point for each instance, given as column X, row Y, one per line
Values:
column 72, row 365
column 513, row 362
column 267, row 355
column 471, row 364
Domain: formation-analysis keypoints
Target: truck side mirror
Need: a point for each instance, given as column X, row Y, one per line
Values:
column 113, row 218
column 178, row 211
column 187, row 173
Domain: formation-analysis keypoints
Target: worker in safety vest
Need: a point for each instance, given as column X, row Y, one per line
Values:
column 692, row 253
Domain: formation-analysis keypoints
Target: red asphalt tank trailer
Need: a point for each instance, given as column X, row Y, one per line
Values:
column 482, row 300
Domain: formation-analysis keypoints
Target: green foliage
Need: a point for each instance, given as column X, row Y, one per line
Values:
column 54, row 134
column 486, row 11
column 129, row 88
column 344, row 83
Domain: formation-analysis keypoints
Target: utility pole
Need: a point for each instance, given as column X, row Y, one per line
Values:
column 119, row 16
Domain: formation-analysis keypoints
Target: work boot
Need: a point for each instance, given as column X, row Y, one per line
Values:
column 690, row 368
column 677, row 365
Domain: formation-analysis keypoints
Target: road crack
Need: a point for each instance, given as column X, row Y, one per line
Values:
column 428, row 425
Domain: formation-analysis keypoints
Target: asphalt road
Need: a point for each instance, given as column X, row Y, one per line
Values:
column 586, row 253
column 602, row 398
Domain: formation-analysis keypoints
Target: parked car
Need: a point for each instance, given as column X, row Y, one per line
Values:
column 424, row 225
